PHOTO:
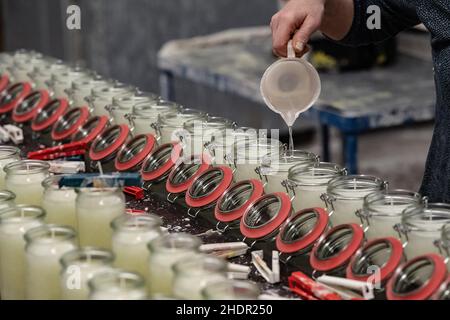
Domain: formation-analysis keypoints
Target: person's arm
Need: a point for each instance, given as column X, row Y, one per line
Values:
column 340, row 20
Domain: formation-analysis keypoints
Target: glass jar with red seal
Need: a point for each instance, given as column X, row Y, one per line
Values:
column 186, row 170
column 133, row 153
column 5, row 80
column 82, row 87
column 30, row 106
column 91, row 129
column 207, row 188
column 122, row 104
column 444, row 291
column 300, row 232
column 334, row 250
column 42, row 74
column 106, row 146
column 66, row 126
column 12, row 97
column 103, row 95
column 62, row 81
column 232, row 205
column 444, row 243
column 159, row 163
column 421, row 228
column 376, row 261
column 44, row 120
column 263, row 219
column 417, row 279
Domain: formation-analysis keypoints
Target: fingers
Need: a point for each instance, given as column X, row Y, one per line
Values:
column 302, row 35
column 283, row 26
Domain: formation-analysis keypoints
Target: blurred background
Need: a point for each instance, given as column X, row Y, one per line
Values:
column 121, row 39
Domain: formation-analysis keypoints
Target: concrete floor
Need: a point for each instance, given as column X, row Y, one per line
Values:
column 397, row 155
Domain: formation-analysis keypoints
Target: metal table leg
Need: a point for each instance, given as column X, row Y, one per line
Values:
column 166, row 84
column 325, row 136
column 350, row 151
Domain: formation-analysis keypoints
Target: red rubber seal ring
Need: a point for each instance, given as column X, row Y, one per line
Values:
column 426, row 291
column 44, row 98
column 102, row 122
column 283, row 214
column 120, row 140
column 257, row 191
column 63, row 105
column 176, row 152
column 4, row 82
column 182, row 187
column 344, row 256
column 388, row 269
column 25, row 90
column 311, row 237
column 139, row 157
column 218, row 191
column 65, row 134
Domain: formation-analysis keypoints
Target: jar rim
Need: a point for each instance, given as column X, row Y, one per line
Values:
column 8, row 151
column 429, row 217
column 358, row 182
column 52, row 232
column 20, row 212
column 126, row 279
column 175, row 242
column 246, row 290
column 7, row 195
column 200, row 263
column 325, row 171
column 87, row 254
column 373, row 202
column 26, row 167
column 137, row 223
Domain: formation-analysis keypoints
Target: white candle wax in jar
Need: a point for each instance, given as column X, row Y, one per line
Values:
column 117, row 284
column 102, row 96
column 24, row 178
column 123, row 104
column 130, row 238
column 383, row 210
column 346, row 194
column 421, row 228
column 276, row 171
column 309, row 183
column 145, row 116
column 8, row 154
column 82, row 88
column 59, row 202
column 194, row 273
column 248, row 155
column 170, row 125
column 96, row 208
column 230, row 290
column 80, row 266
column 14, row 223
column 165, row 251
column 45, row 247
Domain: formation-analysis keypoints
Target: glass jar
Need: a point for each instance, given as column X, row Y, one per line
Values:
column 7, row 199
column 14, row 223
column 122, row 104
column 307, row 184
column 301, row 231
column 184, row 173
column 197, row 133
column 165, row 252
column 102, row 96
column 70, row 122
column 144, row 116
column 235, row 201
column 24, row 178
column 172, row 123
column 417, row 279
column 444, row 291
column 248, row 155
column 30, row 106
column 222, row 142
column 444, row 243
column 421, row 228
column 133, row 153
column 60, row 82
column 12, row 97
column 59, row 202
column 332, row 253
column 45, row 245
column 193, row 274
column 274, row 172
column 20, row 71
column 131, row 234
column 8, row 154
column 263, row 219
column 345, row 196
column 78, row 267
column 91, row 129
column 231, row 290
column 44, row 121
column 383, row 210
column 96, row 208
column 82, row 88
column 117, row 284
column 207, row 188
column 41, row 75
column 376, row 261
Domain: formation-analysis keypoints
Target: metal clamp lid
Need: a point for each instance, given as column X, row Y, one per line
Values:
column 236, row 200
column 134, row 152
column 335, row 248
column 109, row 142
column 160, row 161
column 91, row 129
column 30, row 106
column 265, row 215
column 302, row 230
column 14, row 95
column 417, row 279
column 69, row 123
column 49, row 114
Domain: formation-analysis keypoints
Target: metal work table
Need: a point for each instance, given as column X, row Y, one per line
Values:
column 233, row 61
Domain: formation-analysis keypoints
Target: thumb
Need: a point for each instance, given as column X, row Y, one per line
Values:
column 301, row 37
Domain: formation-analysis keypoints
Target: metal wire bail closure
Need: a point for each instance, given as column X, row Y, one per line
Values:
column 49, row 114
column 91, row 129
column 112, row 139
column 30, row 106
column 69, row 123
column 14, row 95
column 160, row 161
column 406, row 283
column 369, row 253
column 133, row 153
column 252, row 224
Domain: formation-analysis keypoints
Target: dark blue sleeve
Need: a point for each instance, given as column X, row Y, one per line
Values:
column 396, row 15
